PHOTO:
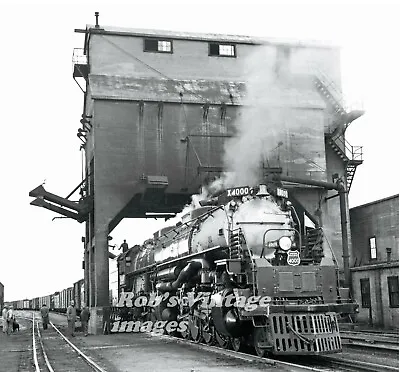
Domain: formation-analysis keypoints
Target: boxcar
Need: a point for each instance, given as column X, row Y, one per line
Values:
column 63, row 300
column 51, row 302
column 42, row 300
column 56, row 300
column 26, row 304
column 70, row 296
column 35, row 303
column 78, row 293
column 66, row 297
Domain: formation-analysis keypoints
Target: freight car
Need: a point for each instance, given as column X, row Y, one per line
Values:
column 59, row 301
column 79, row 295
column 56, row 300
column 66, row 295
column 241, row 270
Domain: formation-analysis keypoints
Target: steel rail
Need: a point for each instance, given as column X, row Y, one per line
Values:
column 34, row 344
column 46, row 359
column 357, row 364
column 87, row 359
column 371, row 340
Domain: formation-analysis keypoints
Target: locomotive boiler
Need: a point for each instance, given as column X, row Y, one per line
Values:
column 242, row 271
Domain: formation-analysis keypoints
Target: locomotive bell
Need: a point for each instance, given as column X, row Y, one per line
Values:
column 263, row 191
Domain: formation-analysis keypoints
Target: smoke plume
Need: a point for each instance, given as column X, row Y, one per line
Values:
column 259, row 127
column 260, row 123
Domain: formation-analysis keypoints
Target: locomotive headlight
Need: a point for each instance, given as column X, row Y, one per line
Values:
column 285, row 243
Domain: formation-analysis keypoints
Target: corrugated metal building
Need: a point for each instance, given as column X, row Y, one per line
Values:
column 375, row 271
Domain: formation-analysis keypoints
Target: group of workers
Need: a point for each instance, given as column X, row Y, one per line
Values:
column 9, row 318
column 71, row 319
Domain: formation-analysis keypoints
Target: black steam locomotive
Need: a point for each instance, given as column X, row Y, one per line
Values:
column 240, row 270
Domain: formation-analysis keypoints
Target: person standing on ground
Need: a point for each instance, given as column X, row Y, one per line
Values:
column 4, row 314
column 85, row 316
column 10, row 320
column 44, row 312
column 71, row 318
column 124, row 247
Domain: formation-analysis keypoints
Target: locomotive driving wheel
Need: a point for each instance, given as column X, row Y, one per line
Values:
column 208, row 333
column 185, row 333
column 260, row 341
column 195, row 328
column 222, row 340
column 237, row 343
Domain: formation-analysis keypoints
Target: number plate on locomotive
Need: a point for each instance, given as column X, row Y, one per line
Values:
column 283, row 193
column 239, row 191
column 293, row 258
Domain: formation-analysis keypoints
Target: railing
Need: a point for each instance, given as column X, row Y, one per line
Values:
column 79, row 57
column 335, row 90
column 79, row 66
column 356, row 152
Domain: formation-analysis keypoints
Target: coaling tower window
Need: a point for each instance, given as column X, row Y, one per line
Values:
column 158, row 45
column 372, row 247
column 393, row 287
column 222, row 50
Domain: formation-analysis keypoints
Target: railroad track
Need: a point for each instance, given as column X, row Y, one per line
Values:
column 370, row 340
column 309, row 363
column 53, row 352
column 336, row 362
column 245, row 356
column 355, row 365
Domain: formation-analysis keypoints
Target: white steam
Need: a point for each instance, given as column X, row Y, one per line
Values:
column 260, row 127
column 260, row 124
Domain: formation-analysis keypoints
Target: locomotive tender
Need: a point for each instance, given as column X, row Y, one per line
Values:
column 244, row 247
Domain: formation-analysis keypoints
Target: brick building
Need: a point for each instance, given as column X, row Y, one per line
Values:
column 375, row 266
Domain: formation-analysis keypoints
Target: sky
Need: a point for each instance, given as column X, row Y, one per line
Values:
column 42, row 105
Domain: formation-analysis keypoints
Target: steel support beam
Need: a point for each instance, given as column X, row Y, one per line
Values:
column 345, row 238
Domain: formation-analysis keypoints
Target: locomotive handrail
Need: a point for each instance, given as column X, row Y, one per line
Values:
column 188, row 256
column 301, row 337
column 187, row 223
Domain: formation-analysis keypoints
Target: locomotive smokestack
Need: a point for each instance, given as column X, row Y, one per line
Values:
column 96, row 14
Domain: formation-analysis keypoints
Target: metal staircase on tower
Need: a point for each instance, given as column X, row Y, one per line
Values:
column 342, row 117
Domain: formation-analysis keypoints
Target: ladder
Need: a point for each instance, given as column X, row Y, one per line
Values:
column 235, row 246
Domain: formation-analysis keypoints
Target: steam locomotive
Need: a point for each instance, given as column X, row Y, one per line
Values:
column 244, row 272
